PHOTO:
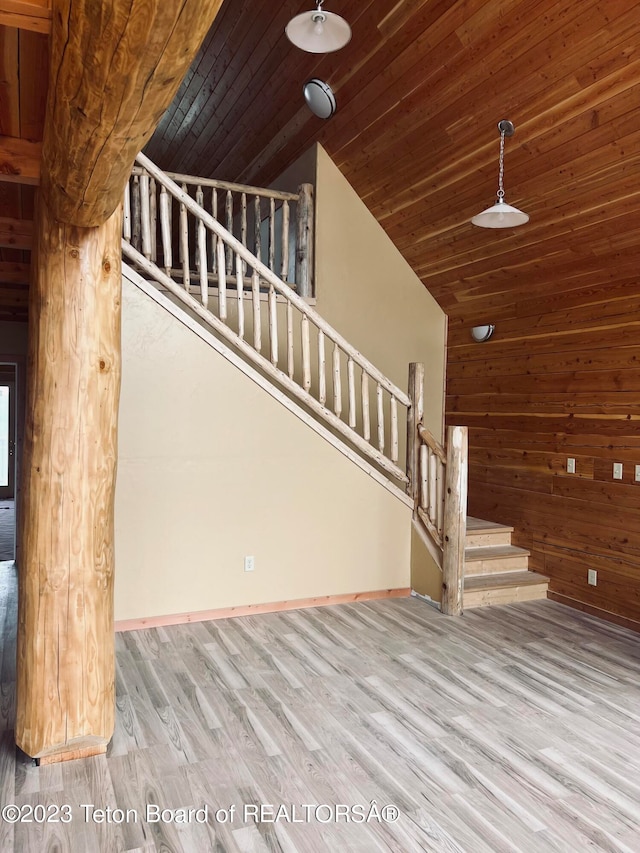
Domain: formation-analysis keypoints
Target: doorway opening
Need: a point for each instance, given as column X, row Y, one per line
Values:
column 8, row 458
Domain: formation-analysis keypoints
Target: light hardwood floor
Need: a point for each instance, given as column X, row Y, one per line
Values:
column 513, row 728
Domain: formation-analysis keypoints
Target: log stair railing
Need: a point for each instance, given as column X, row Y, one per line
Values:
column 305, row 355
column 248, row 304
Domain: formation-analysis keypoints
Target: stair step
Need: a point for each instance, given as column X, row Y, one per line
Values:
column 498, row 559
column 480, row 532
column 505, row 588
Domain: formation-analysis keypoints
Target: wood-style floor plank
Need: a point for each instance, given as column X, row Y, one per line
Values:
column 513, row 728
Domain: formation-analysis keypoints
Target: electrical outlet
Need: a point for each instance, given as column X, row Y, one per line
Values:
column 637, row 473
column 249, row 564
column 617, row 470
column 571, row 466
column 592, row 577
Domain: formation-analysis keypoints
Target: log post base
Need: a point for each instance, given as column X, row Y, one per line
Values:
column 56, row 757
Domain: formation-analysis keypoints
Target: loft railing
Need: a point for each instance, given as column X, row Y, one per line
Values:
column 276, row 227
column 306, row 356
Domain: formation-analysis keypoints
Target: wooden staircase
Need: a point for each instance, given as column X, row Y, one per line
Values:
column 495, row 571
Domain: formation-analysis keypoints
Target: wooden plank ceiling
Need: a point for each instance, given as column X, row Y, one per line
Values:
column 24, row 69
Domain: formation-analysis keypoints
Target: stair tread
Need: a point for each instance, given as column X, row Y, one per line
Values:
column 476, row 525
column 506, row 579
column 494, row 552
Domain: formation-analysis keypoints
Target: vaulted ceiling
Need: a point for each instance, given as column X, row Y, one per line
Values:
column 420, row 89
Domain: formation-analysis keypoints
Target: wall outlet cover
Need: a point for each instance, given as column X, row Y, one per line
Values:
column 637, row 473
column 571, row 466
column 249, row 564
column 592, row 577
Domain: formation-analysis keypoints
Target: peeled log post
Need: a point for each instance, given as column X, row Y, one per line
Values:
column 304, row 241
column 455, row 521
column 415, row 415
column 116, row 65
column 65, row 662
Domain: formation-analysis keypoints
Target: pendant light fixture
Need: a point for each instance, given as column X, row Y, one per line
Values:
column 318, row 31
column 501, row 214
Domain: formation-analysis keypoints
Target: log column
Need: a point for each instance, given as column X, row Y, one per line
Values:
column 115, row 66
column 65, row 667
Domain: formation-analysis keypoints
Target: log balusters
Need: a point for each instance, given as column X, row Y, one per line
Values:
column 300, row 341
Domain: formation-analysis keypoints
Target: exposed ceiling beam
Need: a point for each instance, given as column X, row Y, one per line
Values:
column 115, row 67
column 15, row 233
column 11, row 273
column 34, row 15
column 20, row 160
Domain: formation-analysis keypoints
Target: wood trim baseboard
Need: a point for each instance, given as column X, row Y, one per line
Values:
column 255, row 609
column 607, row 615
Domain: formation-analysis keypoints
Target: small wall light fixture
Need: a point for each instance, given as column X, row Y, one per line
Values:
column 501, row 214
column 318, row 31
column 480, row 334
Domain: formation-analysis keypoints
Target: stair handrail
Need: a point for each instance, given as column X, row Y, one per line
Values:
column 261, row 273
column 214, row 183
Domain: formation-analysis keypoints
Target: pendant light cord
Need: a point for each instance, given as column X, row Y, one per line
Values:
column 501, row 169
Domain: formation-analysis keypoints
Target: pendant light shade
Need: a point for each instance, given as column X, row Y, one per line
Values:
column 318, row 31
column 501, row 214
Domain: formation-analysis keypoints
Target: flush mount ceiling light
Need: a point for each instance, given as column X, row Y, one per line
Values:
column 501, row 214
column 319, row 97
column 480, row 334
column 319, row 31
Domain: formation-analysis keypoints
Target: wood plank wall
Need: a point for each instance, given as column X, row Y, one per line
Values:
column 559, row 379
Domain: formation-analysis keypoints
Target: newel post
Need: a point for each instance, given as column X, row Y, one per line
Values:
column 415, row 415
column 455, row 520
column 304, row 241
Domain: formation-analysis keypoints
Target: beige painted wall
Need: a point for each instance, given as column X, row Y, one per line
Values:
column 211, row 468
column 369, row 293
column 365, row 288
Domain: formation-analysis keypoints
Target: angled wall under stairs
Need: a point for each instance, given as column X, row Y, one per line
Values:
column 212, row 469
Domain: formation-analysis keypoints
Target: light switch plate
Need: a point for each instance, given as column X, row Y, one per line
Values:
column 617, row 470
column 592, row 577
column 571, row 466
column 637, row 473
